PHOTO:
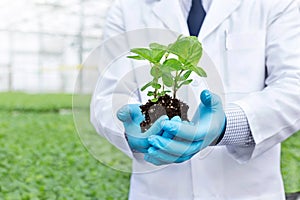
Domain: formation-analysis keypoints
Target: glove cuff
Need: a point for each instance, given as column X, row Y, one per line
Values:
column 223, row 132
column 218, row 139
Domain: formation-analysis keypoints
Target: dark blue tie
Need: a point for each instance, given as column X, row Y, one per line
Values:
column 196, row 17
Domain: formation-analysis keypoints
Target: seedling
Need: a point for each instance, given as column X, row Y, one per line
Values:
column 171, row 67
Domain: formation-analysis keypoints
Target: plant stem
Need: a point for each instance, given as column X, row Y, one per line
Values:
column 180, row 72
column 175, row 85
column 177, row 76
column 154, row 81
column 166, row 56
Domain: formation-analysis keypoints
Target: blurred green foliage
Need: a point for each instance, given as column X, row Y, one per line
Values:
column 290, row 163
column 41, row 156
column 17, row 101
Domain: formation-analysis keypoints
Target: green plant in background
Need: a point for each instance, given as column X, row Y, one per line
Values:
column 43, row 158
column 290, row 163
column 172, row 65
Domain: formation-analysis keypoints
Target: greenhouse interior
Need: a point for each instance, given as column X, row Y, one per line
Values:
column 43, row 45
column 44, row 42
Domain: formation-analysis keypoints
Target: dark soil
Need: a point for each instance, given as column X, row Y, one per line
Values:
column 164, row 106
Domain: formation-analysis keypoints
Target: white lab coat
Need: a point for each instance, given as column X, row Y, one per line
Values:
column 255, row 46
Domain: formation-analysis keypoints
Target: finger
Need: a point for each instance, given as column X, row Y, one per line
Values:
column 210, row 99
column 175, row 147
column 123, row 114
column 136, row 113
column 186, row 122
column 156, row 128
column 141, row 150
column 186, row 131
column 130, row 113
column 176, row 118
column 138, row 143
column 167, row 135
column 166, row 157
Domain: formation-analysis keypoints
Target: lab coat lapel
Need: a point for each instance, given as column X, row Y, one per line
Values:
column 170, row 13
column 218, row 12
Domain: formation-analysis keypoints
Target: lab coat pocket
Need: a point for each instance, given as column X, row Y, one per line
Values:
column 245, row 57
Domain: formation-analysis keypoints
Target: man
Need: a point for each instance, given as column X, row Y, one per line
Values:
column 254, row 45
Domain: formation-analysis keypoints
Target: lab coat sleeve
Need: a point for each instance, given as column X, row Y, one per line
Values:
column 112, row 87
column 274, row 113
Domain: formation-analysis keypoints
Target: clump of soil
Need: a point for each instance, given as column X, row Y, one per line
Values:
column 164, row 106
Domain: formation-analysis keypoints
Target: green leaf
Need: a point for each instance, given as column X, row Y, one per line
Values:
column 156, row 85
column 157, row 55
column 156, row 72
column 146, row 86
column 185, row 76
column 163, row 93
column 186, row 82
column 136, row 57
column 154, row 100
column 172, row 63
column 158, row 46
column 167, row 79
column 199, row 71
column 143, row 52
column 152, row 55
column 150, row 93
column 188, row 49
column 158, row 51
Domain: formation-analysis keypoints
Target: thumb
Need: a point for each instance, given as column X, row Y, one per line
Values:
column 210, row 99
column 129, row 113
column 123, row 114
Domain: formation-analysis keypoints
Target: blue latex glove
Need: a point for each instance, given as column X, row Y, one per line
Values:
column 188, row 138
column 131, row 116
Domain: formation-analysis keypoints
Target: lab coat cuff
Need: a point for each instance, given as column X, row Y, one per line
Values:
column 237, row 130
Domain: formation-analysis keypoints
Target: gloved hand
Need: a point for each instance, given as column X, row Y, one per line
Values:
column 188, row 138
column 131, row 116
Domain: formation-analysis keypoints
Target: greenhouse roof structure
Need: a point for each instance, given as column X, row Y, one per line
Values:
column 53, row 16
column 44, row 42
